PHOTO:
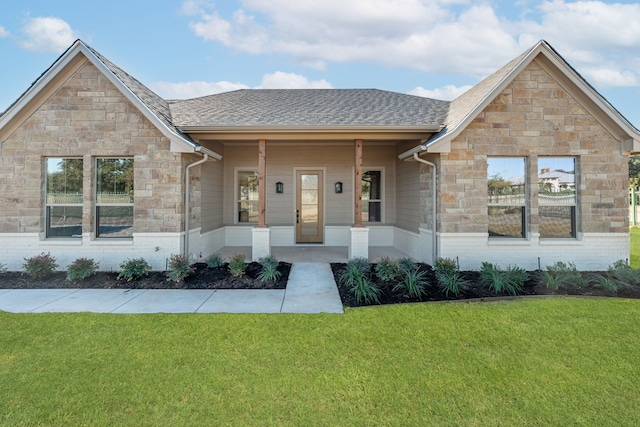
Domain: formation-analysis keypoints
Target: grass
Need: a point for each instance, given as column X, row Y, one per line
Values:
column 551, row 362
column 634, row 258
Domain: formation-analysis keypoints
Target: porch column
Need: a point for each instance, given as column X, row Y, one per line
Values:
column 359, row 234
column 261, row 235
column 358, row 183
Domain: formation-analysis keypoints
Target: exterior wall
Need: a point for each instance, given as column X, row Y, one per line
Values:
column 534, row 117
column 212, row 185
column 88, row 117
column 408, row 189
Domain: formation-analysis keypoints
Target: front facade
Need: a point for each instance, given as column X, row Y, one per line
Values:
column 527, row 168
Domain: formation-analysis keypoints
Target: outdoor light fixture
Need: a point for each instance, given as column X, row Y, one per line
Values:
column 338, row 187
column 279, row 187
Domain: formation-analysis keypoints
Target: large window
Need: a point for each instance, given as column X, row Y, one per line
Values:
column 557, row 197
column 114, row 198
column 247, row 196
column 506, row 185
column 64, row 198
column 372, row 196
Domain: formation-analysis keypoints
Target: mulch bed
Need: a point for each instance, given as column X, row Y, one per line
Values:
column 474, row 290
column 202, row 277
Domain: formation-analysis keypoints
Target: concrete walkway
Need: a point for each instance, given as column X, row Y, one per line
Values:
column 310, row 289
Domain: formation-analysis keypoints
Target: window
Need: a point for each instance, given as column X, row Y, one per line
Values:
column 506, row 185
column 64, row 198
column 372, row 196
column 557, row 197
column 247, row 196
column 114, row 198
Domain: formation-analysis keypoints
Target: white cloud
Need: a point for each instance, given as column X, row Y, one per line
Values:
column 3, row 32
column 446, row 93
column 188, row 90
column 47, row 34
column 282, row 80
column 438, row 36
column 277, row 80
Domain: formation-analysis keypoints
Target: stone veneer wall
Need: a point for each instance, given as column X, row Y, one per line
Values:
column 88, row 117
column 533, row 117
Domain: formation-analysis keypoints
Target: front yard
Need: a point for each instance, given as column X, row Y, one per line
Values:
column 551, row 361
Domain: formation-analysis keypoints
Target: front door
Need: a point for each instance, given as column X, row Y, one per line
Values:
column 309, row 225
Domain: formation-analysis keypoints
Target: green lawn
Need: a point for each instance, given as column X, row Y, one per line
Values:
column 551, row 361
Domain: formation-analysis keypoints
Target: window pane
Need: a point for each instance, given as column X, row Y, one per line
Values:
column 115, row 221
column 64, row 181
column 506, row 221
column 556, row 181
column 371, row 188
column 114, row 183
column 557, row 221
column 247, row 185
column 371, row 212
column 248, row 211
column 64, row 221
column 506, row 180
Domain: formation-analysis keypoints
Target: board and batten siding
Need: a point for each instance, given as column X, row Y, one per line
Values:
column 407, row 190
column 212, row 184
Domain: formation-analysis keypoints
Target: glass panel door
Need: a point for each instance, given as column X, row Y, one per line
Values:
column 309, row 224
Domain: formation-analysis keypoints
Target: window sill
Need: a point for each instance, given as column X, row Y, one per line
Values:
column 52, row 241
column 506, row 241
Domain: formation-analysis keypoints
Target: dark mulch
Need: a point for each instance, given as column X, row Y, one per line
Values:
column 474, row 290
column 202, row 277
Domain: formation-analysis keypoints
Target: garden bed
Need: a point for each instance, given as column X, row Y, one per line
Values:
column 473, row 290
column 201, row 277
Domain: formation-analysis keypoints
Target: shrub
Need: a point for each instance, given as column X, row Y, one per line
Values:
column 3, row 268
column 134, row 269
column 356, row 277
column 214, row 261
column 449, row 279
column 269, row 272
column 406, row 264
column 40, row 266
column 623, row 273
column 81, row 269
column 509, row 281
column 413, row 282
column 179, row 267
column 387, row 269
column 606, row 283
column 560, row 274
column 237, row 265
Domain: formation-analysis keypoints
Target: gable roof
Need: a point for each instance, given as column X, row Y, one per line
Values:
column 154, row 108
column 467, row 106
column 292, row 108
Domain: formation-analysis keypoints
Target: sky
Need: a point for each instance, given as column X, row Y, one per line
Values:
column 433, row 48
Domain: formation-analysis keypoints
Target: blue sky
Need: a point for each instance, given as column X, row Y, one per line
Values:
column 435, row 48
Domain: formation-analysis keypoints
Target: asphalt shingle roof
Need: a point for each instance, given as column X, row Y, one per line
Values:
column 308, row 107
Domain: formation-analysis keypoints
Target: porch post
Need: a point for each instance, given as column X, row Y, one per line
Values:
column 358, row 183
column 262, row 178
column 359, row 234
column 261, row 235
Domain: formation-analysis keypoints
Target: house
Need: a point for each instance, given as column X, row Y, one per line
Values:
column 94, row 164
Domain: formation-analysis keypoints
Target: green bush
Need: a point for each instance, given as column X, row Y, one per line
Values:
column 499, row 280
column 82, row 268
column 269, row 272
column 387, row 269
column 560, row 274
column 413, row 282
column 448, row 276
column 214, row 261
column 356, row 277
column 623, row 273
column 179, row 267
column 40, row 266
column 406, row 264
column 237, row 265
column 134, row 269
column 3, row 268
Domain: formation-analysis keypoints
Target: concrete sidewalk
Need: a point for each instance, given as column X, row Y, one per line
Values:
column 310, row 289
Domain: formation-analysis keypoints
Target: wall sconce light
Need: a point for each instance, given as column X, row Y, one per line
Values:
column 338, row 187
column 279, row 187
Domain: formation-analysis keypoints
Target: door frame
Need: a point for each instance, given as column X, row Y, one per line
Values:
column 297, row 171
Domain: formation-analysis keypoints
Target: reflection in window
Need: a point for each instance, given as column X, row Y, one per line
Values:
column 247, row 196
column 372, row 196
column 64, row 198
column 114, row 198
column 557, row 196
column 506, row 187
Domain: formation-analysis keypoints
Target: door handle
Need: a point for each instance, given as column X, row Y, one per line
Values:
column 297, row 216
